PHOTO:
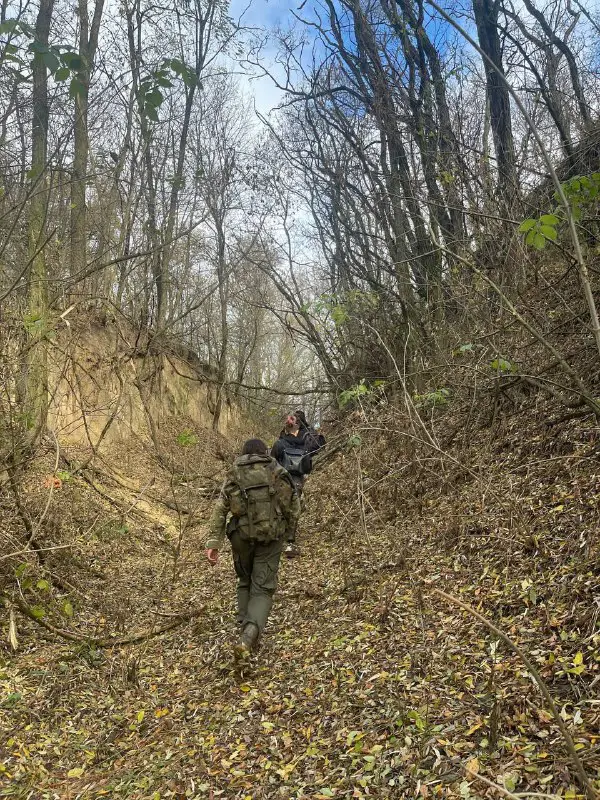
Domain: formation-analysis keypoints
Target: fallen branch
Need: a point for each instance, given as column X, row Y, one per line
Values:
column 29, row 551
column 583, row 778
column 144, row 635
column 90, row 477
column 112, row 641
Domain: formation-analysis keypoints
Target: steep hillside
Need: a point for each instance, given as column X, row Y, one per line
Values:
column 109, row 383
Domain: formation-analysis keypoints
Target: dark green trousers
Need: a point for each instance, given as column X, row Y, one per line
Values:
column 256, row 565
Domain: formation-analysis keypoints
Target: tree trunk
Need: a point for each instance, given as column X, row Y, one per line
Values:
column 37, row 319
column 88, row 42
column 486, row 19
column 223, row 302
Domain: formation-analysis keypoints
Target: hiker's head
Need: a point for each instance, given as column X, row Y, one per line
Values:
column 291, row 424
column 254, row 447
column 301, row 417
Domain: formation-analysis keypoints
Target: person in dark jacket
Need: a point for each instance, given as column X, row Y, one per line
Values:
column 293, row 452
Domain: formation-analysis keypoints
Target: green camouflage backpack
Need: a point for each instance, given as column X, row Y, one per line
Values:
column 255, row 501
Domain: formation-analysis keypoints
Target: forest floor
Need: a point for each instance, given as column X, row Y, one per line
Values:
column 366, row 684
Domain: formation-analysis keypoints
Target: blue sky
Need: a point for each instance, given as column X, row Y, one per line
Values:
column 263, row 15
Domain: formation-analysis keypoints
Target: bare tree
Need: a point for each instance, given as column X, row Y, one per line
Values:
column 88, row 44
column 486, row 13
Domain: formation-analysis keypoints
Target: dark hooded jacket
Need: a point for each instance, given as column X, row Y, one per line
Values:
column 311, row 440
column 303, row 440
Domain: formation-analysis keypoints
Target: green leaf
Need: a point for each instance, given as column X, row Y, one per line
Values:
column 51, row 61
column 352, row 736
column 533, row 595
column 38, row 612
column 21, row 569
column 76, row 772
column 151, row 113
column 43, row 584
column 154, row 98
column 549, row 232
column 67, row 608
column 529, row 239
column 539, row 241
column 187, row 439
column 502, row 365
column 72, row 60
column 526, row 225
column 9, row 26
column 189, row 78
column 339, row 315
column 549, row 219
column 62, row 74
column 11, row 700
column 462, row 350
column 38, row 48
column 76, row 88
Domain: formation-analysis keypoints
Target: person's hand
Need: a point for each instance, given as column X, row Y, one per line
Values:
column 213, row 556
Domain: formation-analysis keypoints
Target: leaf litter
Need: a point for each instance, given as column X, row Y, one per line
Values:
column 365, row 685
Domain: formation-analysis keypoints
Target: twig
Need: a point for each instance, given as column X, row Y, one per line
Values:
column 505, row 792
column 496, row 786
column 37, row 550
column 140, row 637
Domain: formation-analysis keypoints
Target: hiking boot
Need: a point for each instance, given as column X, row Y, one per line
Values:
column 247, row 641
column 291, row 550
column 241, row 651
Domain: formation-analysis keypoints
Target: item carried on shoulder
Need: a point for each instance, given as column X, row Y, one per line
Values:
column 313, row 441
column 255, row 501
column 294, row 459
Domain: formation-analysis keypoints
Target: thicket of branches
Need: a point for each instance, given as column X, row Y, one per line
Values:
column 128, row 160
column 438, row 150
column 388, row 212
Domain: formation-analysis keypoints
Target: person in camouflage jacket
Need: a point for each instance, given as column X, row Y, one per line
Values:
column 261, row 503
